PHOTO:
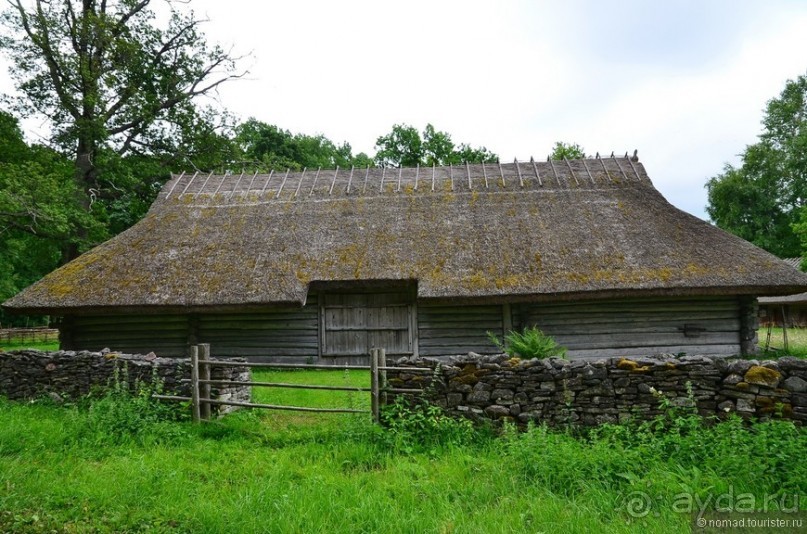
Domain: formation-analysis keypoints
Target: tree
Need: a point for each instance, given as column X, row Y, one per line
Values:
column 763, row 198
column 404, row 146
column 265, row 146
column 110, row 81
column 563, row 150
column 36, row 212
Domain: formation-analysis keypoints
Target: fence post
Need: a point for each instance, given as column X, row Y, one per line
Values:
column 204, row 374
column 374, row 384
column 382, row 361
column 195, row 383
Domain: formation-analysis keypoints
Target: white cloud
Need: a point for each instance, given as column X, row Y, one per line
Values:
column 683, row 81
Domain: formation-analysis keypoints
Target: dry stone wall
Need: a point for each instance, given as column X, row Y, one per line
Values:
column 28, row 374
column 609, row 390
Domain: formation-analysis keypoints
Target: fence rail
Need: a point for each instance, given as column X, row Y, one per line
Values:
column 200, row 382
column 29, row 335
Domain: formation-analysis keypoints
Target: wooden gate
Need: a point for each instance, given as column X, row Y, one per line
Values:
column 354, row 323
column 200, row 384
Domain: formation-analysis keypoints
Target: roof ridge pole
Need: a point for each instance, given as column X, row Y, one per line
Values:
column 203, row 186
column 417, row 175
column 383, row 174
column 590, row 177
column 554, row 172
column 237, row 183
column 537, row 174
column 283, row 183
column 501, row 172
column 620, row 167
column 451, row 174
column 333, row 183
column 179, row 179
column 366, row 176
column 520, row 178
column 189, row 183
column 313, row 185
column 350, row 178
column 485, row 173
column 632, row 166
column 400, row 172
column 571, row 170
column 433, row 171
column 223, row 177
column 302, row 176
column 251, row 182
column 266, row 183
column 602, row 161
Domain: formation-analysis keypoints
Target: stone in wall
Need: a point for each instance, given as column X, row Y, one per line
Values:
column 591, row 392
column 28, row 374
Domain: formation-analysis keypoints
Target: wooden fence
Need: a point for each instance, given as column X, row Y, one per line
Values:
column 29, row 335
column 200, row 383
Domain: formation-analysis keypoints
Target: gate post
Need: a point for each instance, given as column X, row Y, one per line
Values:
column 195, row 413
column 374, row 385
column 204, row 374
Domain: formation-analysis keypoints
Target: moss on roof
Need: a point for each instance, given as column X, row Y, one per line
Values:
column 591, row 227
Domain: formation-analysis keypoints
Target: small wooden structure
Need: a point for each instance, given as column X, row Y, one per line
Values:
column 321, row 265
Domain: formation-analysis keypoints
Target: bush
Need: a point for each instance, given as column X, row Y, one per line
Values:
column 125, row 414
column 529, row 343
column 424, row 427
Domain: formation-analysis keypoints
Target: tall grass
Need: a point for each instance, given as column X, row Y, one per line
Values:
column 17, row 344
column 106, row 465
column 797, row 341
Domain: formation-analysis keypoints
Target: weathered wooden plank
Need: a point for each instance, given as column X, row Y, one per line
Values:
column 604, row 342
column 129, row 319
column 618, row 306
column 492, row 325
column 590, row 330
column 725, row 350
column 302, row 324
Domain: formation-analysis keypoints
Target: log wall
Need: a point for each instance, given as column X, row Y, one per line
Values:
column 589, row 329
column 639, row 327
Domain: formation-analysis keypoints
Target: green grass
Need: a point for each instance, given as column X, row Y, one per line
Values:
column 797, row 341
column 112, row 465
column 15, row 345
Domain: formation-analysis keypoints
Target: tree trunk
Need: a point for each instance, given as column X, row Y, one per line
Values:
column 85, row 178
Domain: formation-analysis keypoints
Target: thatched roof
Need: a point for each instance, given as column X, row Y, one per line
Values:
column 799, row 298
column 586, row 228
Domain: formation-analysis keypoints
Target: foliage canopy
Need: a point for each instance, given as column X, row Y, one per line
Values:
column 763, row 198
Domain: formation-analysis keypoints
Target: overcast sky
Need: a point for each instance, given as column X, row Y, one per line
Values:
column 684, row 82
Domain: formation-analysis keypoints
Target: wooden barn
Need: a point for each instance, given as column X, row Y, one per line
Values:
column 322, row 265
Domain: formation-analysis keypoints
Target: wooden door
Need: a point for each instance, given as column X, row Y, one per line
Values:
column 353, row 323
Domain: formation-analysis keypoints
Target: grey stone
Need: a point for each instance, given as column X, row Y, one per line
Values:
column 479, row 397
column 739, row 367
column 454, row 399
column 497, row 411
column 502, row 394
column 795, row 384
column 745, row 405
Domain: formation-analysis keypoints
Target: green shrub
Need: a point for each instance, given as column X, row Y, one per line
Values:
column 123, row 414
column 529, row 343
column 424, row 427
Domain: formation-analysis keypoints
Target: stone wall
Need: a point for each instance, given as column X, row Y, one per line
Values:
column 28, row 374
column 609, row 390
